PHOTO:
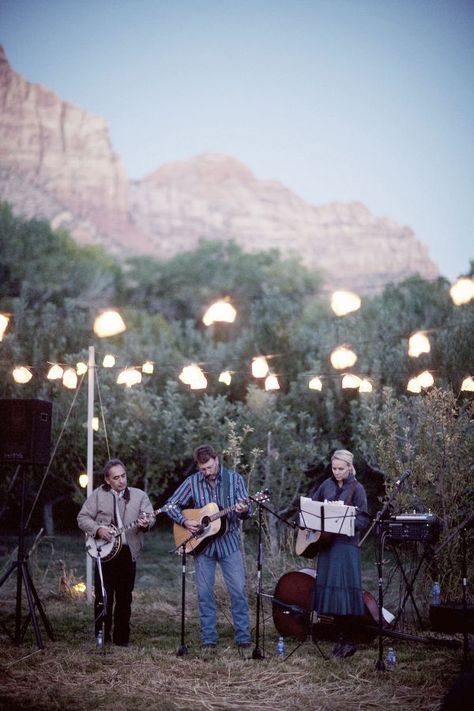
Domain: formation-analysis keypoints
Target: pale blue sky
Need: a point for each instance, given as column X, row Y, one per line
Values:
column 340, row 100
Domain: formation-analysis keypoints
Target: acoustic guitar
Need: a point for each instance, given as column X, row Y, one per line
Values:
column 106, row 550
column 211, row 521
column 309, row 542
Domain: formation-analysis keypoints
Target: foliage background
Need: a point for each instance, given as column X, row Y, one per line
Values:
column 53, row 289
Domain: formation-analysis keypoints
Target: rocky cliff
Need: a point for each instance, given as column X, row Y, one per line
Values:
column 57, row 162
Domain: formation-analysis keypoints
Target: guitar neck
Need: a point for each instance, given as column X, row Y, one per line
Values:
column 224, row 512
column 135, row 523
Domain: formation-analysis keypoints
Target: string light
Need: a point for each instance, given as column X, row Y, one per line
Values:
column 418, row 343
column 344, row 302
column 351, row 381
column 129, row 377
column 271, row 382
column 21, row 374
column 193, row 376
column 70, row 379
column 148, row 367
column 425, row 379
column 4, row 321
column 225, row 377
column 468, row 384
column 108, row 361
column 365, row 386
column 55, row 372
column 315, row 384
column 95, row 424
column 221, row 311
column 343, row 357
column 414, row 386
column 81, row 368
column 260, row 367
column 109, row 323
column 462, row 291
column 83, row 480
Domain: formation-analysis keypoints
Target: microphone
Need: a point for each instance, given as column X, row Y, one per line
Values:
column 404, row 476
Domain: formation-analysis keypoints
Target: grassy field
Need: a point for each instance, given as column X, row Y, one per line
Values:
column 69, row 672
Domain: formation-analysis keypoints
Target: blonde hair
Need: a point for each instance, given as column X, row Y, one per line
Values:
column 344, row 456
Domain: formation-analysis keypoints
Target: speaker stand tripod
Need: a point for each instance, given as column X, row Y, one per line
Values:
column 24, row 580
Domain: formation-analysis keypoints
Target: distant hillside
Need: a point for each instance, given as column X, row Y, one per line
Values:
column 57, row 163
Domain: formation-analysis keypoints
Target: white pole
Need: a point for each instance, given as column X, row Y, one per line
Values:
column 90, row 455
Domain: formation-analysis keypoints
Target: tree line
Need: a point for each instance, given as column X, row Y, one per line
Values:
column 53, row 288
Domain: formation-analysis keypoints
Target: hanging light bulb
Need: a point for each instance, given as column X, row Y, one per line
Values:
column 21, row 374
column 109, row 323
column 199, row 382
column 129, row 377
column 271, row 382
column 418, row 343
column 221, row 311
column 81, row 368
column 148, row 367
column 414, row 386
column 95, row 424
column 315, row 384
column 468, row 385
column 259, row 367
column 462, row 291
column 193, row 376
column 83, row 480
column 344, row 302
column 351, row 381
column 225, row 377
column 425, row 379
column 342, row 358
column 108, row 361
column 70, row 379
column 55, row 372
column 365, row 386
column 4, row 321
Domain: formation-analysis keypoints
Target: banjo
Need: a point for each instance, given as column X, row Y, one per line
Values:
column 106, row 550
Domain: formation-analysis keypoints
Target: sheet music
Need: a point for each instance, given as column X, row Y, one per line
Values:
column 330, row 516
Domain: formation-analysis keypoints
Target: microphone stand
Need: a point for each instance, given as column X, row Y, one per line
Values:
column 103, row 613
column 257, row 651
column 380, row 538
column 183, row 649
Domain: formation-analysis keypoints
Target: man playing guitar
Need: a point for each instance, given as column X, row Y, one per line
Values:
column 215, row 485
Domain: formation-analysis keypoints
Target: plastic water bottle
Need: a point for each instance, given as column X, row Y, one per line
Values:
column 436, row 594
column 99, row 640
column 391, row 658
column 281, row 648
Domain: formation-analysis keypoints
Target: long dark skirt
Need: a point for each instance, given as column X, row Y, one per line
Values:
column 338, row 589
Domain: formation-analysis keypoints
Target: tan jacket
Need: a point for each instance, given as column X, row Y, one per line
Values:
column 98, row 510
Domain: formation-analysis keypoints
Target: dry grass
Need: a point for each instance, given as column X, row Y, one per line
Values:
column 70, row 672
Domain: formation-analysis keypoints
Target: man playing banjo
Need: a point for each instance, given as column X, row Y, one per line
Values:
column 113, row 507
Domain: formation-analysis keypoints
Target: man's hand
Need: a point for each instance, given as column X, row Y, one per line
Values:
column 192, row 526
column 143, row 520
column 104, row 533
column 241, row 507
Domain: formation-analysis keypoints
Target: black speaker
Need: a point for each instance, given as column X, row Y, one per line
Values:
column 25, row 431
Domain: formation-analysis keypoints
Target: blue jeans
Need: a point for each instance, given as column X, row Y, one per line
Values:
column 233, row 573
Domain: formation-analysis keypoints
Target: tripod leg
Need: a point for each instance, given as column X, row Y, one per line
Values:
column 29, row 583
column 24, row 574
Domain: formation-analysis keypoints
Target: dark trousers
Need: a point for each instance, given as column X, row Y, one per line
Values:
column 119, row 579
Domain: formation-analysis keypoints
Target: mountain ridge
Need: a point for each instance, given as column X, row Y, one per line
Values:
column 57, row 162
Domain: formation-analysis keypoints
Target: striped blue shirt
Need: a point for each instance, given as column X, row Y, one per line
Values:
column 195, row 492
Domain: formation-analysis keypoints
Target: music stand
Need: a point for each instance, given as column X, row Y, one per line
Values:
column 24, row 579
